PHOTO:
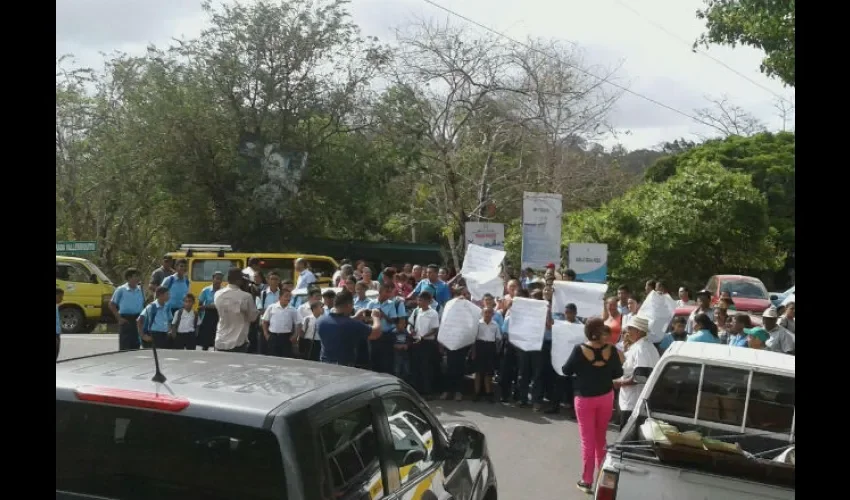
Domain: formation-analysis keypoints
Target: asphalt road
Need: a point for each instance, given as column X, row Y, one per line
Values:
column 535, row 455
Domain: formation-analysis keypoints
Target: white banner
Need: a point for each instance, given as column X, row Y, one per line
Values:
column 485, row 234
column 565, row 336
column 459, row 324
column 528, row 323
column 659, row 310
column 482, row 269
column 541, row 229
column 589, row 298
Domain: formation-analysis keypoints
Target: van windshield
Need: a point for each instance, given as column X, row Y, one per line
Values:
column 137, row 454
column 100, row 274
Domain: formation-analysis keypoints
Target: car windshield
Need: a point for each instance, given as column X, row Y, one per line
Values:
column 137, row 454
column 745, row 289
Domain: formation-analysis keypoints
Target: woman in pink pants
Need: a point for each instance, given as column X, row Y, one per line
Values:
column 594, row 366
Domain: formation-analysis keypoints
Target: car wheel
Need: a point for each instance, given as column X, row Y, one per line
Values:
column 71, row 319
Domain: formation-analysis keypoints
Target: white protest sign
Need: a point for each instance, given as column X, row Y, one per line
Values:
column 528, row 323
column 459, row 324
column 589, row 298
column 480, row 284
column 565, row 336
column 482, row 271
column 658, row 309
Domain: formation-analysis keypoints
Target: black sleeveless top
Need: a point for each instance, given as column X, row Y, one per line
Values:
column 593, row 378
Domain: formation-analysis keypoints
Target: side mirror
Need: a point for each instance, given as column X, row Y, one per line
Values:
column 413, row 456
column 466, row 443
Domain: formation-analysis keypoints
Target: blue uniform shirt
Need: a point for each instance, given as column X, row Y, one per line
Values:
column 160, row 321
column 340, row 336
column 441, row 290
column 178, row 289
column 498, row 319
column 738, row 340
column 129, row 300
column 391, row 310
column 206, row 298
column 362, row 303
column 58, row 323
column 271, row 298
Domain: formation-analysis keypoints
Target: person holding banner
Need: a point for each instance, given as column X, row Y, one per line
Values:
column 595, row 365
column 509, row 362
column 531, row 365
column 484, row 354
column 424, row 324
column 458, row 330
column 562, row 387
column 641, row 358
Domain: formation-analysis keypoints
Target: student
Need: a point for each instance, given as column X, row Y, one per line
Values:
column 314, row 295
column 60, row 295
column 154, row 320
column 401, row 354
column 484, row 353
column 269, row 296
column 393, row 320
column 490, row 301
column 126, row 304
column 442, row 293
column 328, row 297
column 678, row 334
column 184, row 326
column 279, row 323
column 424, row 325
column 207, row 313
column 309, row 345
column 531, row 368
column 509, row 364
column 177, row 285
column 455, row 360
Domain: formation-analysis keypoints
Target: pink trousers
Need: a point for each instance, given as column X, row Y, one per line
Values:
column 593, row 414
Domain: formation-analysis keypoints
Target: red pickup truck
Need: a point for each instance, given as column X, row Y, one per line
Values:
column 749, row 294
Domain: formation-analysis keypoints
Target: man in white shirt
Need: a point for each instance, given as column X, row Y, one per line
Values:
column 641, row 356
column 305, row 276
column 423, row 324
column 781, row 340
column 253, row 267
column 279, row 323
column 236, row 311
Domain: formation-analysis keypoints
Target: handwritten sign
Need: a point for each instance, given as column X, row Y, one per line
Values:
column 565, row 336
column 659, row 310
column 480, row 259
column 459, row 324
column 589, row 298
column 527, row 323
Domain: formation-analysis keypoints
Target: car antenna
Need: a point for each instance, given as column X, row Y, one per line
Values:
column 158, row 376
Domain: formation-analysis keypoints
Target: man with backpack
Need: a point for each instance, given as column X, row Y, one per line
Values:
column 393, row 322
column 178, row 286
column 155, row 320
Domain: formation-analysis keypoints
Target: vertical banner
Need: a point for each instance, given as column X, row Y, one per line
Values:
column 485, row 234
column 541, row 229
column 589, row 261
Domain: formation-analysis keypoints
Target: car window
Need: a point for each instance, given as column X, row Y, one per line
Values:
column 675, row 391
column 203, row 269
column 135, row 454
column 322, row 268
column 283, row 267
column 772, row 403
column 413, row 440
column 724, row 394
column 73, row 272
column 712, row 286
column 351, row 453
column 745, row 290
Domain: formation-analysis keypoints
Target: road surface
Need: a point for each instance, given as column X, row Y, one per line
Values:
column 536, row 456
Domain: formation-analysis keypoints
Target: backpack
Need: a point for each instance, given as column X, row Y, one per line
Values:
column 170, row 281
column 180, row 315
column 153, row 310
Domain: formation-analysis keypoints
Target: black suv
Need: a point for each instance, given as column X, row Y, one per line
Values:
column 234, row 426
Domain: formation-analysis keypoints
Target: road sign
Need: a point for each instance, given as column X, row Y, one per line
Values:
column 76, row 247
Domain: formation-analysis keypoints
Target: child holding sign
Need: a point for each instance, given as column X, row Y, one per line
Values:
column 484, row 354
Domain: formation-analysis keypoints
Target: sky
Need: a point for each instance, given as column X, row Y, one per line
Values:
column 648, row 39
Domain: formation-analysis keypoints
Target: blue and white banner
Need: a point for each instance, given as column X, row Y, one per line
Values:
column 485, row 234
column 541, row 229
column 589, row 261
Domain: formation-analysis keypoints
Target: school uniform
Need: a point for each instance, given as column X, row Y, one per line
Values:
column 207, row 318
column 282, row 321
column 310, row 345
column 177, row 290
column 508, row 366
column 382, row 351
column 266, row 299
column 424, row 351
column 185, row 325
column 485, row 347
column 362, row 350
column 129, row 302
column 157, row 318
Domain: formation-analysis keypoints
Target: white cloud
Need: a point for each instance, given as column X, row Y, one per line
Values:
column 654, row 64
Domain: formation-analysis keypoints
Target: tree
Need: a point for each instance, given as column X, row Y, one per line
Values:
column 767, row 25
column 701, row 220
column 729, row 119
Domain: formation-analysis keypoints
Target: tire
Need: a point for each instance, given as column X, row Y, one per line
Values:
column 72, row 320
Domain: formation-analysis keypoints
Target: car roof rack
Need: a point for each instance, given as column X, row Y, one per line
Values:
column 191, row 248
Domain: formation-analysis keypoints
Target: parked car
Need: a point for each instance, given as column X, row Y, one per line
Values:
column 777, row 299
column 87, row 294
column 225, row 425
column 749, row 294
column 722, row 427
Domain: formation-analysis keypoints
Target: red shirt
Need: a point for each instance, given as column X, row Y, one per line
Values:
column 616, row 326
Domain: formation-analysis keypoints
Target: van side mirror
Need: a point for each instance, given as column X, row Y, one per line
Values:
column 466, row 443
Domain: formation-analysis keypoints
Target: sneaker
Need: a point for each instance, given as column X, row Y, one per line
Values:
column 584, row 487
column 458, row 396
column 444, row 396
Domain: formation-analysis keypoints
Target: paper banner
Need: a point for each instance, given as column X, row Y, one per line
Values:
column 459, row 324
column 482, row 260
column 527, row 323
column 658, row 309
column 565, row 336
column 589, row 298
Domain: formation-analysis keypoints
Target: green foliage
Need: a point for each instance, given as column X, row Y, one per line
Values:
column 768, row 158
column 768, row 25
column 703, row 220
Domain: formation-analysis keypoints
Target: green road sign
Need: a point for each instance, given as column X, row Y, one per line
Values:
column 72, row 247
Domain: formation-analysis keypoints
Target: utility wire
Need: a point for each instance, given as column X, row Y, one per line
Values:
column 581, row 70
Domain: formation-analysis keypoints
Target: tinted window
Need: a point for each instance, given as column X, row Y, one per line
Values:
column 203, row 269
column 772, row 403
column 745, row 289
column 675, row 392
column 351, row 451
column 132, row 454
column 413, row 440
column 323, row 268
column 724, row 393
column 282, row 266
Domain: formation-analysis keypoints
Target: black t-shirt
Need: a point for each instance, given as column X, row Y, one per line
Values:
column 589, row 380
column 340, row 335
